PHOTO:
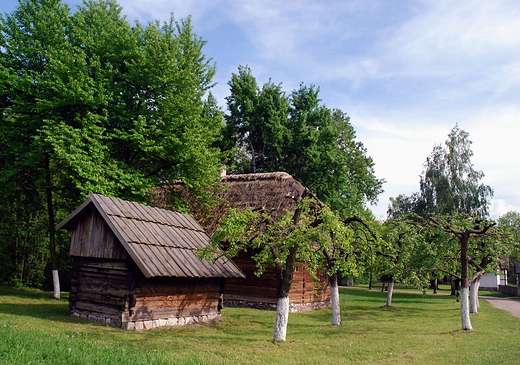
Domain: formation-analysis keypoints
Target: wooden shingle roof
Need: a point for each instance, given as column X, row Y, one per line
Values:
column 161, row 242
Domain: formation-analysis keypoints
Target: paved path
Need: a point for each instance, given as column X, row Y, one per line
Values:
column 510, row 305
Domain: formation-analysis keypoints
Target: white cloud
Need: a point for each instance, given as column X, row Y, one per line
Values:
column 449, row 37
column 500, row 207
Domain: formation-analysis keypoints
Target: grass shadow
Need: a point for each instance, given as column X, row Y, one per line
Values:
column 29, row 293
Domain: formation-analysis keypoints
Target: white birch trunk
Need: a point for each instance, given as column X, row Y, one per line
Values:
column 390, row 289
column 336, row 311
column 56, row 284
column 282, row 317
column 464, row 309
column 473, row 299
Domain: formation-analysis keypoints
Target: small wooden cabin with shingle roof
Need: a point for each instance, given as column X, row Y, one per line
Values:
column 278, row 193
column 137, row 267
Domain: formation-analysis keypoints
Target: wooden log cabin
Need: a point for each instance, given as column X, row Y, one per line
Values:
column 278, row 193
column 136, row 266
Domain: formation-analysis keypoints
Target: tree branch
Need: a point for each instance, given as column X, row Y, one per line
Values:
column 359, row 220
column 476, row 276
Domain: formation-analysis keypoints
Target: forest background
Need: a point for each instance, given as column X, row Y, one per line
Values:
column 93, row 103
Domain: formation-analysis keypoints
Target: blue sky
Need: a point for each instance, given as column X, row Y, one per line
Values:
column 405, row 71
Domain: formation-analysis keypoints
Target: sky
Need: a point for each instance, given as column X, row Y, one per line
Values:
column 406, row 72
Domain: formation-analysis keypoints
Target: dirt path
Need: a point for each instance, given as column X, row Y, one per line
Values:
column 510, row 305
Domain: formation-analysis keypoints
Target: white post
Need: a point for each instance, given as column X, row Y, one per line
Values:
column 282, row 317
column 56, row 284
column 464, row 309
column 334, row 292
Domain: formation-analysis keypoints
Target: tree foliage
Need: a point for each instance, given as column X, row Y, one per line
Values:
column 449, row 183
column 312, row 235
column 92, row 103
column 479, row 248
column 299, row 135
column 451, row 207
column 461, row 246
column 510, row 221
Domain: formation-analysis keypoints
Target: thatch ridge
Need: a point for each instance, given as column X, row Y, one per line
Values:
column 274, row 192
column 257, row 176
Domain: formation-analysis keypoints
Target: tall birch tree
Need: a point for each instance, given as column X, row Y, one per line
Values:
column 449, row 183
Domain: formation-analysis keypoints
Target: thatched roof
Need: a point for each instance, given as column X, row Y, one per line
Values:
column 161, row 242
column 274, row 192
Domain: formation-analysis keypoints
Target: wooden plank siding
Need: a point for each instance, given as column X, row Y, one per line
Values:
column 94, row 238
column 160, row 297
column 100, row 287
column 262, row 289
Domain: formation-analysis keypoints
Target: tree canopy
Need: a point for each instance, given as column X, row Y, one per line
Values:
column 311, row 236
column 449, row 183
column 452, row 205
column 272, row 131
column 92, row 103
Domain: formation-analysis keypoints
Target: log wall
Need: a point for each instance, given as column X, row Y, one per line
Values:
column 260, row 292
column 100, row 289
column 116, row 292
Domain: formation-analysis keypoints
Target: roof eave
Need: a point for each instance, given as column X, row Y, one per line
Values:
column 68, row 223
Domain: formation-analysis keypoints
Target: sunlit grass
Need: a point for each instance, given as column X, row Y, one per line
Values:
column 417, row 329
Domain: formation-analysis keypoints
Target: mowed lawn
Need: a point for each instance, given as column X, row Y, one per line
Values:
column 418, row 329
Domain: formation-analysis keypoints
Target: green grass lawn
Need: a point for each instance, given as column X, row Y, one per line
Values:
column 417, row 329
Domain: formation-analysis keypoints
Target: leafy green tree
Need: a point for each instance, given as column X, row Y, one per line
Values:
column 453, row 198
column 312, row 235
column 512, row 220
column 479, row 247
column 344, row 257
column 449, row 183
column 91, row 103
column 301, row 136
column 409, row 255
column 28, row 38
column 461, row 246
column 257, row 122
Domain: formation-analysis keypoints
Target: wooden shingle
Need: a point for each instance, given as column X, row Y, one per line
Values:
column 162, row 243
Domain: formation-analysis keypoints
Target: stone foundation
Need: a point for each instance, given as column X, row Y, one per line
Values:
column 147, row 324
column 293, row 307
column 303, row 307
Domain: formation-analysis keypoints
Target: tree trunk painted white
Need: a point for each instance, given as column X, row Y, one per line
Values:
column 390, row 289
column 464, row 309
column 56, row 284
column 473, row 299
column 334, row 292
column 282, row 317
